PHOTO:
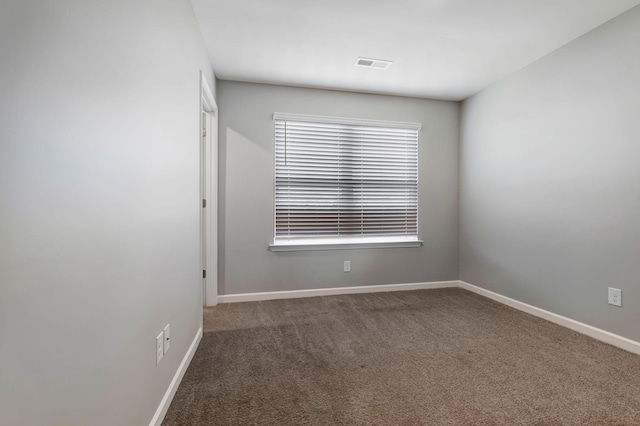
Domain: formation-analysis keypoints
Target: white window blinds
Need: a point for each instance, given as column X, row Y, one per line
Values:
column 345, row 179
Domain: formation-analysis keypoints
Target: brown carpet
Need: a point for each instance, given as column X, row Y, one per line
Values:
column 429, row 357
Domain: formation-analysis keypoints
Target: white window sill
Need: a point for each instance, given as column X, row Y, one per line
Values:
column 343, row 244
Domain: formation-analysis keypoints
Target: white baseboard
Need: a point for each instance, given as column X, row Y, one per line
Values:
column 596, row 333
column 294, row 294
column 177, row 378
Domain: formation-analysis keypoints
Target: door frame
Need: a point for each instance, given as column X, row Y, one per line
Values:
column 208, row 192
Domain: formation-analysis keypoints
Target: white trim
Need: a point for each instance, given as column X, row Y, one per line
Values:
column 295, row 294
column 596, row 333
column 209, row 162
column 158, row 417
column 206, row 95
column 591, row 331
column 345, row 120
column 292, row 246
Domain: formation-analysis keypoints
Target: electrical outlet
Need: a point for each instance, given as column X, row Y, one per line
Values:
column 159, row 347
column 167, row 338
column 615, row 296
column 347, row 266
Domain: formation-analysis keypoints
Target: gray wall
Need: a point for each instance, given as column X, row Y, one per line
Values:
column 247, row 179
column 550, row 181
column 99, row 210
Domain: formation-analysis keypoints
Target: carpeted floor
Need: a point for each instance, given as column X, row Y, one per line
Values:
column 429, row 357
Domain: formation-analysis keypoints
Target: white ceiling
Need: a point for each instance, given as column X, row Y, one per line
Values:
column 443, row 49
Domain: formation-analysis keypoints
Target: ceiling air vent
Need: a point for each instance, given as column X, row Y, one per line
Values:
column 373, row 63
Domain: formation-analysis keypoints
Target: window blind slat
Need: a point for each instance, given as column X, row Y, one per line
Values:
column 345, row 180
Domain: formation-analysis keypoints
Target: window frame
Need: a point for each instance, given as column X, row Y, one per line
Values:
column 342, row 243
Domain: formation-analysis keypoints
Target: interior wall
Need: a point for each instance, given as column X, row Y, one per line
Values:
column 246, row 137
column 550, row 185
column 99, row 218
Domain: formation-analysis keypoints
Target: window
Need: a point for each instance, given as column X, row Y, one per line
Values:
column 342, row 183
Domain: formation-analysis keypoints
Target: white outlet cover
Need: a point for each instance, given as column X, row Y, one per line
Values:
column 167, row 337
column 347, row 266
column 615, row 296
column 159, row 347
